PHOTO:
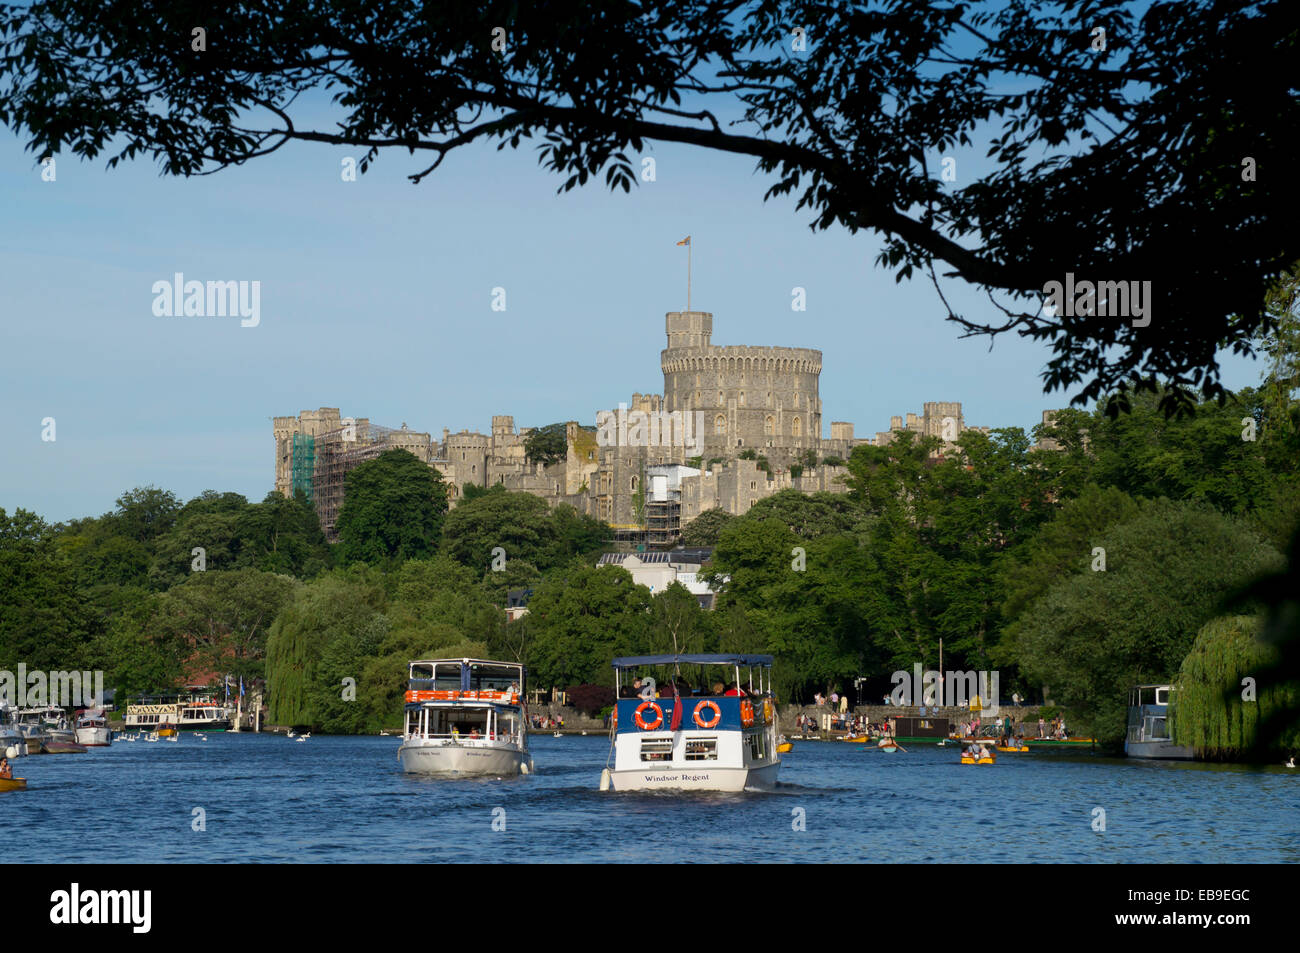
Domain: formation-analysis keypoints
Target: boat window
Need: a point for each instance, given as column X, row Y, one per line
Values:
column 702, row 749
column 656, row 749
column 497, row 678
column 446, row 677
column 1162, row 696
column 758, row 746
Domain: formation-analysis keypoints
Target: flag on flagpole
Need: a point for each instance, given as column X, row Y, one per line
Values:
column 685, row 241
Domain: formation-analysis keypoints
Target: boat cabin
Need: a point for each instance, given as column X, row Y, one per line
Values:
column 464, row 699
column 694, row 721
column 1148, row 713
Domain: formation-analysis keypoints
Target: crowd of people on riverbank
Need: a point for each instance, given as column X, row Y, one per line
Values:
column 855, row 726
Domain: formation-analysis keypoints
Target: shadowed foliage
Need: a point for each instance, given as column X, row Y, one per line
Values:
column 1159, row 154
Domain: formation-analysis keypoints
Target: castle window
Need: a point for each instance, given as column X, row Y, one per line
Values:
column 719, row 397
column 742, row 398
column 796, row 428
column 771, row 427
column 719, row 424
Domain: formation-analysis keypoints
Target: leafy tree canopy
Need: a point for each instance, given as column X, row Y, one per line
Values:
column 393, row 508
column 547, row 445
column 1124, row 160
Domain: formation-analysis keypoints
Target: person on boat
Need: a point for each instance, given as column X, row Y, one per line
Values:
column 733, row 690
column 6, row 772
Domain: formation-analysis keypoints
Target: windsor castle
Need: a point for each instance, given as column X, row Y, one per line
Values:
column 734, row 424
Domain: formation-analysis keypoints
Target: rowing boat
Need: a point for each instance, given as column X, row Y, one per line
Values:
column 13, row 784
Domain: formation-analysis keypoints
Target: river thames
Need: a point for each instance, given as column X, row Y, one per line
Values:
column 342, row 799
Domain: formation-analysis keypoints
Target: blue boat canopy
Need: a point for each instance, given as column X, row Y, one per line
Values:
column 632, row 661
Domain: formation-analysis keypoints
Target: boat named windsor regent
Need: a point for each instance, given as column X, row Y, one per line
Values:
column 465, row 717
column 1148, row 734
column 720, row 736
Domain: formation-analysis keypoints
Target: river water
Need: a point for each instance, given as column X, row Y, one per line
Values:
column 343, row 799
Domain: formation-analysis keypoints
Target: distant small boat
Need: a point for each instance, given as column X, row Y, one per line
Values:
column 1020, row 748
column 784, row 747
column 13, row 784
column 988, row 757
column 58, row 746
column 166, row 732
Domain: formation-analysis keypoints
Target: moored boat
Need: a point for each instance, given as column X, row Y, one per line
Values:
column 465, row 718
column 13, row 743
column 45, row 728
column 1149, row 734
column 188, row 713
column 720, row 738
column 92, row 729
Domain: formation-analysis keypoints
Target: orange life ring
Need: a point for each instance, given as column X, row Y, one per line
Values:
column 717, row 714
column 614, row 723
column 641, row 722
column 767, row 711
column 746, row 712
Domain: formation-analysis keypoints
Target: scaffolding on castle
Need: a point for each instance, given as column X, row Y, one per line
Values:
column 304, row 464
column 338, row 453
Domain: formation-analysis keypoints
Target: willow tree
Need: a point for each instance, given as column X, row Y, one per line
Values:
column 1222, row 698
column 331, row 610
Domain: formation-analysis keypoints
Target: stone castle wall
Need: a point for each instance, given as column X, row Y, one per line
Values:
column 764, row 399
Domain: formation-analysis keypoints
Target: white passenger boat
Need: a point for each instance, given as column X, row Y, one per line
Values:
column 719, row 736
column 464, row 717
column 13, row 743
column 92, row 729
column 1149, row 735
column 188, row 713
column 45, row 727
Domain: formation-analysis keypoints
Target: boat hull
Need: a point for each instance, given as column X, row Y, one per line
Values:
column 451, row 760
column 59, row 746
column 13, row 784
column 752, row 778
column 1158, row 751
column 94, row 737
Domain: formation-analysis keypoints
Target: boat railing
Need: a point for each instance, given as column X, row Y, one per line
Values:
column 699, row 713
column 501, row 697
column 465, row 736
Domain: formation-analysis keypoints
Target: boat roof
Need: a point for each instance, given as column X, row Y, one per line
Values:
column 468, row 661
column 632, row 661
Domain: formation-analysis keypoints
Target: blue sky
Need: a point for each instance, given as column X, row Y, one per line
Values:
column 376, row 298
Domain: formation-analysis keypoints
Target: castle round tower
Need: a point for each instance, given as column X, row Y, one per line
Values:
column 765, row 398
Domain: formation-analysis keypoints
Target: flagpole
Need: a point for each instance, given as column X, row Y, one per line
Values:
column 688, row 274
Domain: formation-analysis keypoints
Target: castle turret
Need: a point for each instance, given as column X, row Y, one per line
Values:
column 689, row 328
